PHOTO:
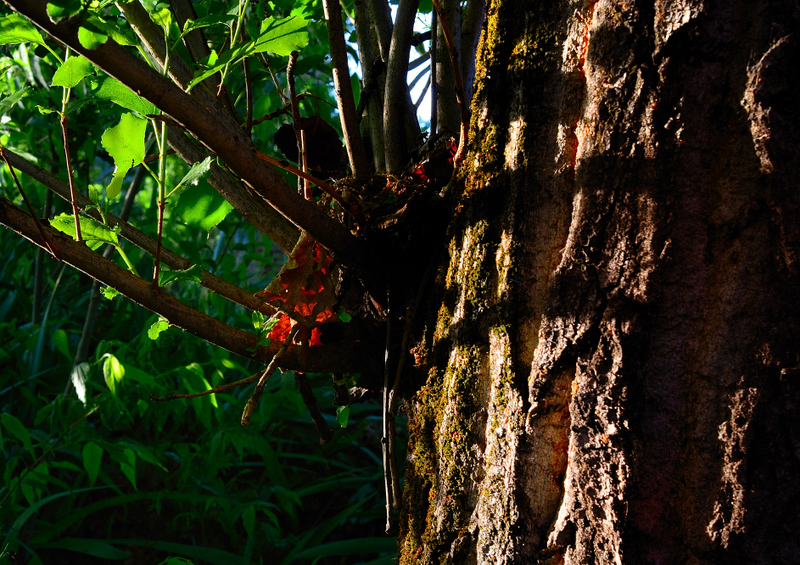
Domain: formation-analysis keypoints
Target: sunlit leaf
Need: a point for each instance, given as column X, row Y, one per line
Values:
column 202, row 206
column 342, row 415
column 72, row 72
column 113, row 90
column 109, row 293
column 113, row 372
column 79, row 375
column 155, row 330
column 61, row 342
column 125, row 143
column 93, row 232
column 16, row 29
column 58, row 10
column 198, row 172
column 282, row 36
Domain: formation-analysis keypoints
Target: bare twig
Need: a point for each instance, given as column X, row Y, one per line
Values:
column 325, row 433
column 215, row 390
column 387, row 445
column 434, row 78
column 344, row 90
column 71, row 177
column 302, row 148
column 49, row 244
column 328, row 189
column 372, row 90
column 262, row 381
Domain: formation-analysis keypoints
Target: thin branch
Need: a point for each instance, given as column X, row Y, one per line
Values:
column 214, row 127
column 252, row 403
column 302, row 148
column 470, row 33
column 434, row 79
column 71, row 177
column 215, row 390
column 381, row 17
column 387, row 447
column 349, row 356
column 48, row 244
column 325, row 433
column 344, row 90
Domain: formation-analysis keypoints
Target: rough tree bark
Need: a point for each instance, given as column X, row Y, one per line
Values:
column 610, row 371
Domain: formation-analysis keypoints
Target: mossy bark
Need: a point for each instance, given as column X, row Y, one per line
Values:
column 611, row 358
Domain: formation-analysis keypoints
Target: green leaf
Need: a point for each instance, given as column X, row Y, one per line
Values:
column 167, row 276
column 16, row 29
column 61, row 342
column 113, row 372
column 92, row 457
column 128, row 467
column 58, row 10
column 202, row 207
column 93, row 232
column 282, row 36
column 17, row 429
column 125, row 143
column 258, row 320
column 93, row 547
column 249, row 518
column 155, row 330
column 209, row 20
column 162, row 17
column 276, row 36
column 109, row 293
column 113, row 90
column 198, row 172
column 343, row 415
column 11, row 100
column 72, row 72
column 344, row 316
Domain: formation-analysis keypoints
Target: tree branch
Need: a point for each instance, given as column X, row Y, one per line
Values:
column 344, row 90
column 139, row 238
column 396, row 99
column 372, row 88
column 352, row 356
column 211, row 125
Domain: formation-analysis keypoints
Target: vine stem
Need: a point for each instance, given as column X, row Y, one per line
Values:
column 71, row 177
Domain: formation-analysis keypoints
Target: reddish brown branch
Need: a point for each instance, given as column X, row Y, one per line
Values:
column 220, row 388
column 345, row 357
column 71, row 177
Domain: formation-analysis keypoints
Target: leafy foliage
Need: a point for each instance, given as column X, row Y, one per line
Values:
column 80, row 471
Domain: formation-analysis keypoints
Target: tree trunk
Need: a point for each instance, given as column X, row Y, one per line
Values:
column 610, row 368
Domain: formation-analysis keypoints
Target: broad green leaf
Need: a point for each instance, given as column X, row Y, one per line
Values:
column 162, row 17
column 125, row 143
column 16, row 29
column 113, row 372
column 91, row 37
column 61, row 342
column 202, row 207
column 129, row 468
column 113, row 90
column 93, row 232
column 17, row 429
column 282, row 36
column 344, row 316
column 198, row 172
column 155, row 330
column 58, row 10
column 209, row 20
column 167, row 276
column 72, row 72
column 276, row 36
column 92, row 458
column 79, row 375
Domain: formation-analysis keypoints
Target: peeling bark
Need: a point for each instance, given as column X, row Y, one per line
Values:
column 612, row 371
